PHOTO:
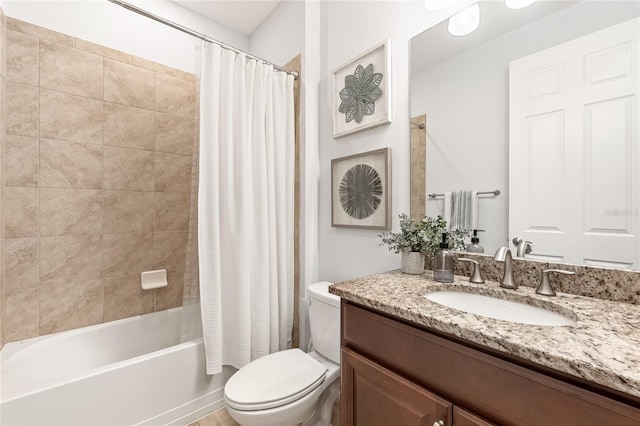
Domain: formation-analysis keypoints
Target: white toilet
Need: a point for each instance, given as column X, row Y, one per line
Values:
column 292, row 387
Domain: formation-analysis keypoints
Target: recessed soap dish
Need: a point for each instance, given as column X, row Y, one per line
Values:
column 153, row 279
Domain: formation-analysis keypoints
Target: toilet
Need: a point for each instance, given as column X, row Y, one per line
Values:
column 293, row 387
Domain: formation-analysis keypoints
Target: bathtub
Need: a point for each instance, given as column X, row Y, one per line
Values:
column 133, row 371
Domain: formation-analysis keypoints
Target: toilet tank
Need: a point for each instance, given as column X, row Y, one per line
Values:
column 324, row 321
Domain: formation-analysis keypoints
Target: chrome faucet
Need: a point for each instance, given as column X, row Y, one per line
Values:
column 504, row 255
column 476, row 275
column 524, row 247
column 545, row 288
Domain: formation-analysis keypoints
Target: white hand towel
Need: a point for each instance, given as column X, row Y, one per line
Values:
column 456, row 216
column 474, row 210
column 464, row 210
column 447, row 208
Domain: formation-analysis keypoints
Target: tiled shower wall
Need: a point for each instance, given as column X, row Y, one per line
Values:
column 3, row 67
column 97, row 181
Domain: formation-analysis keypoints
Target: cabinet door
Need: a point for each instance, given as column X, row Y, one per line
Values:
column 464, row 418
column 374, row 396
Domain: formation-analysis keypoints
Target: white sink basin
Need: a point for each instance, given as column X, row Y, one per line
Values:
column 493, row 307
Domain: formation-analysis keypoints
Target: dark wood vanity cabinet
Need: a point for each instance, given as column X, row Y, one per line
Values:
column 378, row 397
column 397, row 374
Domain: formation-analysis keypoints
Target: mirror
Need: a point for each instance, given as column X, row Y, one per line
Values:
column 461, row 84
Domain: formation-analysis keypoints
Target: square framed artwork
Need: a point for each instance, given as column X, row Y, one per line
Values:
column 362, row 91
column 360, row 190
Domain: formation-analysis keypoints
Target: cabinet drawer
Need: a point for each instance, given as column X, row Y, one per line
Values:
column 464, row 418
column 496, row 389
column 375, row 396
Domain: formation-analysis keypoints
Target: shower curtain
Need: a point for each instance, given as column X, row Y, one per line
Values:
column 245, row 208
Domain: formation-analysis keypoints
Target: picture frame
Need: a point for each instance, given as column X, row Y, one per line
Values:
column 354, row 111
column 361, row 190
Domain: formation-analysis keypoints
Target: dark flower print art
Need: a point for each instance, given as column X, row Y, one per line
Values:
column 361, row 89
column 360, row 191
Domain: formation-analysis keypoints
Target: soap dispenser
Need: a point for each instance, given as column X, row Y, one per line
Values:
column 443, row 262
column 475, row 246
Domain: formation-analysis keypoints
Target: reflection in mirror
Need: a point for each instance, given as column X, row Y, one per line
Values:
column 417, row 169
column 564, row 193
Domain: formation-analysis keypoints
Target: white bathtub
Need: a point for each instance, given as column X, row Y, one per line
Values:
column 126, row 372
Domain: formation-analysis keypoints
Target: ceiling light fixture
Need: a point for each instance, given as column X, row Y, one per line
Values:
column 518, row 4
column 465, row 22
column 436, row 5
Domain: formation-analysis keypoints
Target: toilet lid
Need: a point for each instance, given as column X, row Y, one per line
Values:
column 274, row 380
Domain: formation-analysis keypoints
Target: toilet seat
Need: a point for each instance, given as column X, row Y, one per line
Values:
column 274, row 380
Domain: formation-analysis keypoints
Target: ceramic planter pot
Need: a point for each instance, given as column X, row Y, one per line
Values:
column 412, row 262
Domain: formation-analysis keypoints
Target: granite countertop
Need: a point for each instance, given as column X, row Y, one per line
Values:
column 603, row 346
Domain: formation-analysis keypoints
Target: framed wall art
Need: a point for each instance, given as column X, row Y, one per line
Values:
column 360, row 190
column 362, row 91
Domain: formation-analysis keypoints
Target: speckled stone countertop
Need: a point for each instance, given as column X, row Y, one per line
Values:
column 603, row 346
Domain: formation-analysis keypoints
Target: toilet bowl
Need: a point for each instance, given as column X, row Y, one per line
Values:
column 293, row 387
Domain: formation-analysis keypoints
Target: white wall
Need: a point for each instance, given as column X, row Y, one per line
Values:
column 468, row 112
column 281, row 35
column 110, row 25
column 348, row 29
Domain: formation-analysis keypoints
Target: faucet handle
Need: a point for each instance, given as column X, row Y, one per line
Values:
column 476, row 276
column 545, row 287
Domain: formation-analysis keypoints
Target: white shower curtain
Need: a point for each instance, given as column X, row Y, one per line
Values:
column 245, row 208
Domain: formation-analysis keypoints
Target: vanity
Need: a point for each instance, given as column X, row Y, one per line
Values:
column 407, row 360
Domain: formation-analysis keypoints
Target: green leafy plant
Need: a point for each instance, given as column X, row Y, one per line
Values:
column 432, row 230
column 421, row 236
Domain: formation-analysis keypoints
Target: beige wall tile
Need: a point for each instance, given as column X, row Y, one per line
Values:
column 70, row 211
column 171, row 295
column 70, row 70
column 101, row 50
column 70, row 165
column 128, row 127
column 147, row 64
column 170, row 250
column 21, row 264
column 172, row 173
column 128, row 169
column 172, row 211
column 70, row 258
column 70, row 305
column 123, row 298
column 21, row 160
column 3, row 107
column 128, row 212
column 175, row 96
column 175, row 135
column 40, row 32
column 163, row 69
column 125, row 254
column 22, row 109
column 71, row 118
column 3, row 67
column 128, row 84
column 20, row 210
column 20, row 320
column 22, row 58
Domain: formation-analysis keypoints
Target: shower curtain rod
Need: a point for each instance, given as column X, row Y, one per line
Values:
column 196, row 34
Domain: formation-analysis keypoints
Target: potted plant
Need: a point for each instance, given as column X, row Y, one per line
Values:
column 432, row 229
column 419, row 238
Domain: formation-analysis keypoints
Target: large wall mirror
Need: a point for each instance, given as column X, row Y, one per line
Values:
column 501, row 113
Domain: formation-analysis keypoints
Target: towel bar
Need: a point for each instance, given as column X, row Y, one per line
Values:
column 496, row 192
